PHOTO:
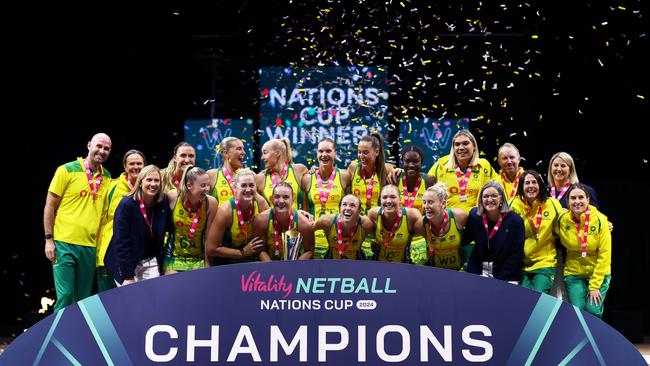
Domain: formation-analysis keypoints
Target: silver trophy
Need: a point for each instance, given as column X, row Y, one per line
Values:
column 291, row 241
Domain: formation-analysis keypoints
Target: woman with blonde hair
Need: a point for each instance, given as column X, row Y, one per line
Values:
column 135, row 251
column 443, row 229
column 561, row 175
column 279, row 167
column 192, row 212
column 463, row 171
column 221, row 179
column 184, row 155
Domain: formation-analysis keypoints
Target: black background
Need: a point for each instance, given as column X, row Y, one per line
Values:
column 137, row 70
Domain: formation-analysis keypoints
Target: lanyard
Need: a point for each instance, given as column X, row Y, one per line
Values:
column 195, row 219
column 226, row 175
column 494, row 229
column 274, row 180
column 562, row 192
column 143, row 210
column 388, row 237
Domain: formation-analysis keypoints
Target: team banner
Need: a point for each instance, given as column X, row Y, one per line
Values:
column 308, row 104
column 431, row 135
column 339, row 312
column 206, row 134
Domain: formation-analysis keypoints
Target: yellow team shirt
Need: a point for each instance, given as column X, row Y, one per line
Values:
column 396, row 250
column 236, row 236
column 178, row 243
column 352, row 248
column 539, row 250
column 482, row 173
column 446, row 249
column 597, row 264
column 317, row 209
column 77, row 219
column 270, row 236
column 510, row 188
column 293, row 182
column 117, row 189
column 359, row 188
column 222, row 190
column 418, row 243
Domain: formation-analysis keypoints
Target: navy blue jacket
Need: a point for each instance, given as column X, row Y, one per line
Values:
column 129, row 229
column 508, row 245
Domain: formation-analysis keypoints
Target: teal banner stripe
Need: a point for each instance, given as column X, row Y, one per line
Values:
column 57, row 317
column 589, row 336
column 104, row 332
column 535, row 330
column 65, row 352
column 573, row 353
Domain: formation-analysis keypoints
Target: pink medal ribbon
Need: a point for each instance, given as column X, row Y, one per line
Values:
column 368, row 187
column 243, row 225
column 128, row 181
column 494, row 229
column 562, row 192
column 195, row 219
column 339, row 234
column 443, row 225
column 324, row 195
column 94, row 185
column 409, row 197
column 276, row 235
column 537, row 223
column 582, row 237
column 462, row 181
column 388, row 237
column 514, row 186
column 274, row 180
column 143, row 210
column 177, row 183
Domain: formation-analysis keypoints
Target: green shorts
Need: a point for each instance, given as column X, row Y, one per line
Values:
column 181, row 264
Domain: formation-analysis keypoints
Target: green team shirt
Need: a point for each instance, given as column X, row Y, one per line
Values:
column 77, row 219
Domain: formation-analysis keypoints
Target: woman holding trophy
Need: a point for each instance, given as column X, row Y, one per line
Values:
column 345, row 230
column 287, row 234
column 230, row 239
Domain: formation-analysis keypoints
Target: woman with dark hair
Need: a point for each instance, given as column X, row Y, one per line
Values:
column 133, row 162
column 539, row 212
column 412, row 184
column 584, row 231
column 184, row 155
column 369, row 175
column 499, row 236
column 135, row 251
column 192, row 212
